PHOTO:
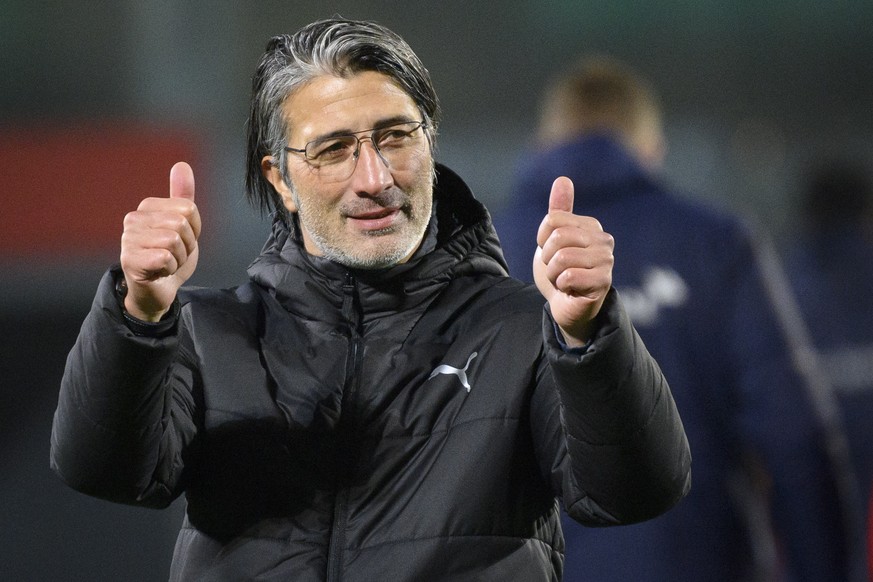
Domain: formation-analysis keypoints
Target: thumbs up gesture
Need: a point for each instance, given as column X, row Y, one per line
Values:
column 572, row 265
column 159, row 247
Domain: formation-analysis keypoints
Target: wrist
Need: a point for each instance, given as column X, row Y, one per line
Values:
column 570, row 343
column 131, row 308
column 138, row 323
column 579, row 338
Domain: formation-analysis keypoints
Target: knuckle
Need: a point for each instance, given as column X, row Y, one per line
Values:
column 173, row 239
column 561, row 258
column 178, row 221
column 131, row 218
column 146, row 204
column 160, row 261
column 560, row 236
column 165, row 239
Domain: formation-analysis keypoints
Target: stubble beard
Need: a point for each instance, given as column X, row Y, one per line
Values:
column 415, row 205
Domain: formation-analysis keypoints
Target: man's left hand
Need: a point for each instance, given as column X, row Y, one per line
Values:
column 572, row 265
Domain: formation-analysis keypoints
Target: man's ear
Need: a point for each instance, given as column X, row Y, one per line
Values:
column 274, row 176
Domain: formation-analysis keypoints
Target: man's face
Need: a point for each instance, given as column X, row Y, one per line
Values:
column 378, row 215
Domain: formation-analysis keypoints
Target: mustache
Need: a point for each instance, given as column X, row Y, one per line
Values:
column 391, row 198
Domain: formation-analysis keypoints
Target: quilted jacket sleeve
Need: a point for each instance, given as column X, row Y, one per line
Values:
column 623, row 454
column 126, row 410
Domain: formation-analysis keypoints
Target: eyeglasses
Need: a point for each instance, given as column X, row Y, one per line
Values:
column 334, row 158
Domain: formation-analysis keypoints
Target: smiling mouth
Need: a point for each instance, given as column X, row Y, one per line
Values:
column 382, row 219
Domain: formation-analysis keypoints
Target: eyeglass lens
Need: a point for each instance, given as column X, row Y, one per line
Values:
column 335, row 158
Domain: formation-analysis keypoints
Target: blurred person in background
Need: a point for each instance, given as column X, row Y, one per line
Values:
column 830, row 265
column 379, row 401
column 767, row 498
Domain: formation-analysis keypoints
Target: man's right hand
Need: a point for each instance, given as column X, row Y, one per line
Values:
column 159, row 247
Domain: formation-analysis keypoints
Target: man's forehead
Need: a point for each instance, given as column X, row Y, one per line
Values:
column 328, row 104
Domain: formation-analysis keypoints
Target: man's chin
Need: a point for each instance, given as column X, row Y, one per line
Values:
column 378, row 259
column 373, row 253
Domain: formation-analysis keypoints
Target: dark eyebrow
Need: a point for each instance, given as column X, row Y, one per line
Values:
column 387, row 122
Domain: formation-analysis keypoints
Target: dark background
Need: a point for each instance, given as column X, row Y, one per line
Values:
column 753, row 93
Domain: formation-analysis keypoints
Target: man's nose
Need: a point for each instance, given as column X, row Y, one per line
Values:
column 372, row 174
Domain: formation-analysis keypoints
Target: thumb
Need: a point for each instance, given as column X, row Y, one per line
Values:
column 182, row 181
column 561, row 197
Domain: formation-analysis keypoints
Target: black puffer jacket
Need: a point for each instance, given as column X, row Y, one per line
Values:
column 412, row 424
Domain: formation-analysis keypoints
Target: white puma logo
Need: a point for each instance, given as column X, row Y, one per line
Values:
column 461, row 373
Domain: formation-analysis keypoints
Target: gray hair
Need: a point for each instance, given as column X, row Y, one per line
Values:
column 337, row 47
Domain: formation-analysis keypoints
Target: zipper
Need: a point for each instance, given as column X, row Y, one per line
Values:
column 352, row 313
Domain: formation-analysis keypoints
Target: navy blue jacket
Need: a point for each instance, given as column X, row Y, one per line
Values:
column 690, row 281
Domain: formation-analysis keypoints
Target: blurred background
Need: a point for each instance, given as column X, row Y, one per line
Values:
column 99, row 98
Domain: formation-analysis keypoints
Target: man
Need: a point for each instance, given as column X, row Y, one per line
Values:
column 692, row 283
column 380, row 401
